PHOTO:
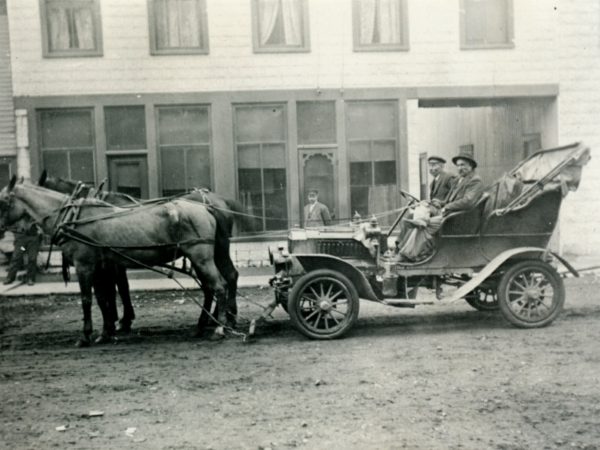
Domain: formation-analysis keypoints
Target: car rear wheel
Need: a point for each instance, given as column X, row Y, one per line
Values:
column 323, row 304
column 531, row 294
column 483, row 299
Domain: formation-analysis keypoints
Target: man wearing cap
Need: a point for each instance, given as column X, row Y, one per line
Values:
column 466, row 189
column 316, row 214
column 442, row 181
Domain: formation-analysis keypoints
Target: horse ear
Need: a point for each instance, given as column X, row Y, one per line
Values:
column 43, row 177
column 12, row 183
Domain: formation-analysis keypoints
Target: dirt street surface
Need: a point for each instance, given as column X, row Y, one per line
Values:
column 433, row 377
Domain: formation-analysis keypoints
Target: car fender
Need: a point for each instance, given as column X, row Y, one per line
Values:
column 497, row 262
column 310, row 262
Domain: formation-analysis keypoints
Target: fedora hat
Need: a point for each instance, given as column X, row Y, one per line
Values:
column 466, row 157
column 436, row 159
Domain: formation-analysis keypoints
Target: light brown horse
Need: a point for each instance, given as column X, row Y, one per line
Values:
column 227, row 211
column 92, row 232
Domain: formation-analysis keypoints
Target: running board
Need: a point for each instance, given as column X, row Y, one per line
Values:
column 401, row 303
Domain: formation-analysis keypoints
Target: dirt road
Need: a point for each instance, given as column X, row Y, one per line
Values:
column 433, row 377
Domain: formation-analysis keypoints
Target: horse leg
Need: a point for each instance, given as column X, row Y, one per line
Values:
column 204, row 320
column 84, row 277
column 106, row 297
column 209, row 275
column 123, row 287
column 231, row 275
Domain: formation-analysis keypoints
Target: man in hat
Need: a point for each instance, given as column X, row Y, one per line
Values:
column 467, row 188
column 442, row 181
column 316, row 214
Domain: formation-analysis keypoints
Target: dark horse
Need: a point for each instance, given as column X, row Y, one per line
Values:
column 116, row 275
column 228, row 212
column 94, row 232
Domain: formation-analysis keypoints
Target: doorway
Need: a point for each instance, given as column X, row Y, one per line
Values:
column 129, row 175
column 317, row 171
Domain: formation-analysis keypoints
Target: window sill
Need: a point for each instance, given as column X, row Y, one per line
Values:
column 382, row 48
column 508, row 45
column 179, row 51
column 282, row 50
column 73, row 54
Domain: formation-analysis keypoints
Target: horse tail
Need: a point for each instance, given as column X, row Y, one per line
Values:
column 66, row 273
column 240, row 215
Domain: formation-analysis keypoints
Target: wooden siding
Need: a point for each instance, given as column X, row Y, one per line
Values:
column 8, row 143
column 496, row 131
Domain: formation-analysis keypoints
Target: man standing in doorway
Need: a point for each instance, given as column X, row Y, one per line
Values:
column 316, row 214
column 441, row 180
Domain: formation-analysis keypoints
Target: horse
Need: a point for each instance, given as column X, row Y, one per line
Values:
column 117, row 276
column 91, row 232
column 229, row 212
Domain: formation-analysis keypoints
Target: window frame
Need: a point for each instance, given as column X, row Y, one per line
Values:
column 303, row 48
column 402, row 46
column 68, row 150
column 284, row 142
column 160, row 147
column 203, row 31
column 465, row 45
column 47, row 52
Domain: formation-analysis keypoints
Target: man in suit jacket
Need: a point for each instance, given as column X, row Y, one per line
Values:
column 442, row 181
column 316, row 214
column 467, row 188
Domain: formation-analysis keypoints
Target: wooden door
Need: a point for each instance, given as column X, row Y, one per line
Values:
column 129, row 175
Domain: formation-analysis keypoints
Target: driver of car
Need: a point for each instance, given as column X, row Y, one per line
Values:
column 415, row 241
column 466, row 190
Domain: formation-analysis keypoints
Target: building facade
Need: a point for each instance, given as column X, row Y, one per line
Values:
column 8, row 144
column 262, row 99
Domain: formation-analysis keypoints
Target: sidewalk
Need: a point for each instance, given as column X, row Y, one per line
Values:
column 249, row 277
column 140, row 281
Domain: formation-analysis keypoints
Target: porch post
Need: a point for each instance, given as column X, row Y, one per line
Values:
column 23, row 159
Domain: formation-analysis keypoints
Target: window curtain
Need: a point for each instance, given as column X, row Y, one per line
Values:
column 292, row 22
column 83, row 29
column 380, row 21
column 177, row 23
column 268, row 11
column 366, row 15
column 389, row 22
column 58, row 29
column 290, row 12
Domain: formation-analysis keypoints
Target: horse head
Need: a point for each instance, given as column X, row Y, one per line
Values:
column 62, row 185
column 11, row 210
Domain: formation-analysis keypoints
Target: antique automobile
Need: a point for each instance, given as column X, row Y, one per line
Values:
column 495, row 256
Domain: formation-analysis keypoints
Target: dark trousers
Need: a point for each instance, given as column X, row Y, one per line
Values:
column 25, row 246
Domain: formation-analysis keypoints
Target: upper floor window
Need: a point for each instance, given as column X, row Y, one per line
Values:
column 280, row 25
column 380, row 25
column 178, row 26
column 71, row 28
column 486, row 24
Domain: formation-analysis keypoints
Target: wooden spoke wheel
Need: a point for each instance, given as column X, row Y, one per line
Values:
column 323, row 304
column 531, row 294
column 483, row 299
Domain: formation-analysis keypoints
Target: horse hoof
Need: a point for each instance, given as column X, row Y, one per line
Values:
column 218, row 334
column 82, row 343
column 124, row 328
column 105, row 339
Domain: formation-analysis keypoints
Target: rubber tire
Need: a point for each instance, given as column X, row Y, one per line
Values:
column 478, row 305
column 296, row 295
column 550, row 274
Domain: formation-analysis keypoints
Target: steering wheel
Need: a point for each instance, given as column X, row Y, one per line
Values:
column 411, row 200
